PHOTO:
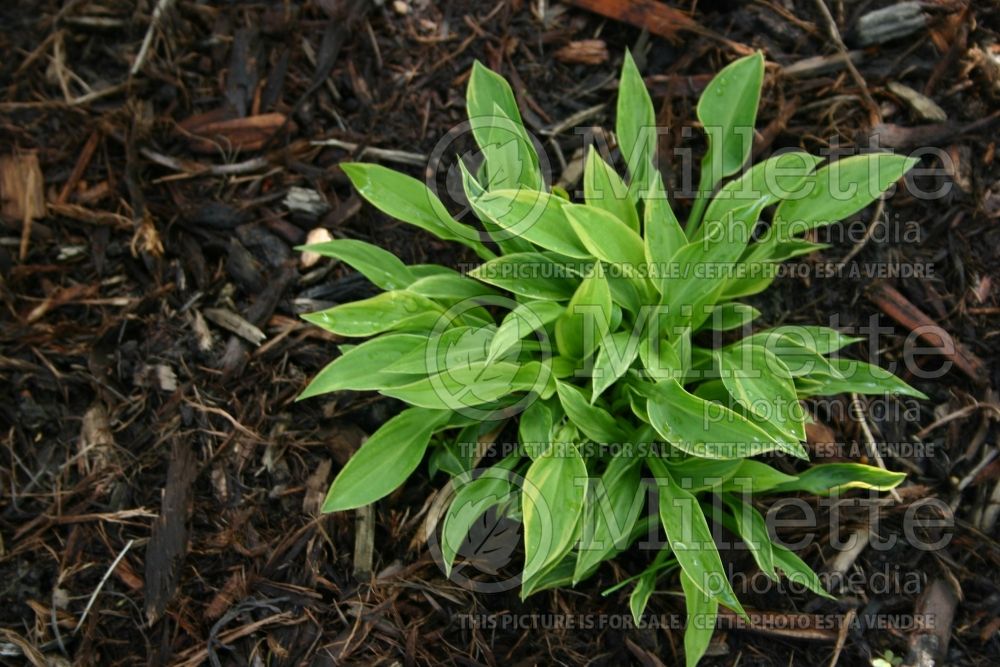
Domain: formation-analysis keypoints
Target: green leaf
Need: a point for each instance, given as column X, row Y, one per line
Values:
column 702, row 612
column 535, row 216
column 363, row 367
column 587, row 317
column 443, row 351
column 691, row 290
column 522, row 321
column 635, row 127
column 471, row 385
column 695, row 474
column 727, row 110
column 615, row 355
column 385, row 460
column 594, row 422
column 450, row 288
column 645, row 586
column 827, row 478
column 533, row 275
column 487, row 96
column 508, row 243
column 472, row 499
column 405, row 198
column 691, row 539
column 377, row 265
column 707, row 429
column 761, row 383
column 534, row 429
column 752, row 477
column 838, row 191
column 797, row 357
column 797, row 571
column 388, row 311
column 613, row 511
column 728, row 316
column 863, row 378
column 752, row 529
column 764, row 184
column 662, row 233
column 511, row 161
column 603, row 188
column 605, row 236
column 823, row 340
column 552, row 500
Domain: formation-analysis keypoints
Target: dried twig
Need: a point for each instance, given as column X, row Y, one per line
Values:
column 831, row 27
column 100, row 585
column 161, row 7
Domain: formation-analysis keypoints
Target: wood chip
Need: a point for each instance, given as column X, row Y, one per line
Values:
column 307, row 201
column 583, row 52
column 22, row 190
column 233, row 323
column 925, row 107
column 899, row 308
column 213, row 132
column 364, row 542
column 893, row 22
column 656, row 17
column 316, row 488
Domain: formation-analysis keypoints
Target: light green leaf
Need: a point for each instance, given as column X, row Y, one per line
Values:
column 552, row 501
column 612, row 512
column 472, row 385
column 615, row 355
column 487, row 96
column 702, row 612
column 587, row 317
column 593, row 421
column 797, row 571
column 388, row 311
column 603, row 188
column 732, row 315
column 752, row 477
column 752, row 529
column 511, row 161
column 662, row 233
column 823, row 340
column 449, row 288
column 363, row 367
column 530, row 274
column 762, row 384
column 534, row 216
column 863, row 378
column 522, row 321
column 605, row 236
column 707, row 429
column 385, row 460
column 635, row 127
column 691, row 539
column 405, row 198
column 727, row 110
column 827, row 478
column 377, row 265
column 764, row 184
column 473, row 498
column 838, row 191
column 534, row 429
column 443, row 351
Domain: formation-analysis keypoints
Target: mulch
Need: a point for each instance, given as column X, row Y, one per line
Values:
column 159, row 485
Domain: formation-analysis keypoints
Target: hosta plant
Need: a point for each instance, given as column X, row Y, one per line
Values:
column 612, row 338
